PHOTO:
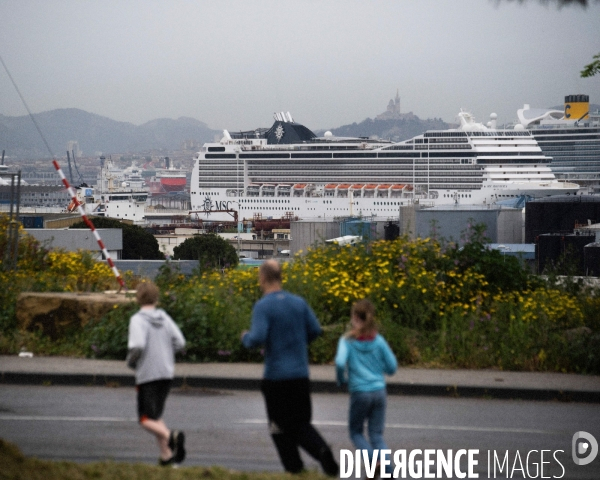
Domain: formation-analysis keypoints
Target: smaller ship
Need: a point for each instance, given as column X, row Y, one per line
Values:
column 168, row 179
column 117, row 195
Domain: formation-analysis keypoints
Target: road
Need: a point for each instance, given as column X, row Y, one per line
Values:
column 228, row 427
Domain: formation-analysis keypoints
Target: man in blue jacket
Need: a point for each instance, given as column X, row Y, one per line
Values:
column 285, row 324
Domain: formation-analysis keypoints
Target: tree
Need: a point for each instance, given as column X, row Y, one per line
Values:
column 210, row 250
column 138, row 244
column 591, row 69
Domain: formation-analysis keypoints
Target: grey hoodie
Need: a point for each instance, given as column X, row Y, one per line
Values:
column 157, row 336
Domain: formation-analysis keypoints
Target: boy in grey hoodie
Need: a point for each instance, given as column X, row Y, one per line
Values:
column 154, row 338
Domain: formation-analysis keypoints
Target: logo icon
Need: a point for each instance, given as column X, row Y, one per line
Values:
column 567, row 108
column 208, row 205
column 584, row 448
column 279, row 131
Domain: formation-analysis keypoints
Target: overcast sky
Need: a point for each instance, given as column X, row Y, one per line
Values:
column 232, row 63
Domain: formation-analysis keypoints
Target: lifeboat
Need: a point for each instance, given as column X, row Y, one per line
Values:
column 72, row 206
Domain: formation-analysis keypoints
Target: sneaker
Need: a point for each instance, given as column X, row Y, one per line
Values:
column 166, row 463
column 179, row 453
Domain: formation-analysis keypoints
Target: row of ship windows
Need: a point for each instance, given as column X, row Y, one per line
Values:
column 442, row 146
column 42, row 194
column 563, row 156
column 293, row 172
column 399, row 147
column 446, row 195
column 545, row 137
column 217, row 184
column 210, row 193
column 499, row 133
column 320, row 147
column 560, row 160
column 342, row 156
column 318, row 164
column 272, row 208
column 445, row 134
column 383, row 177
column 252, row 196
column 405, row 180
column 387, row 168
column 577, row 164
column 443, row 140
column 561, row 147
column 359, row 177
column 420, row 180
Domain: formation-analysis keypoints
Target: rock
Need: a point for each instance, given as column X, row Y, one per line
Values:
column 577, row 333
column 56, row 314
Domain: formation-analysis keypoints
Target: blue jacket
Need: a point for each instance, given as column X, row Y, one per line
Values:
column 285, row 324
column 366, row 361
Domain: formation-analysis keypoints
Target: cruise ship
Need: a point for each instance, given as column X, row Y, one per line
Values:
column 287, row 171
column 570, row 136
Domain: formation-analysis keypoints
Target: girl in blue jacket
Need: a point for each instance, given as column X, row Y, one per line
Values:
column 365, row 356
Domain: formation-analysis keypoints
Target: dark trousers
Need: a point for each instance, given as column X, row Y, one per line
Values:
column 289, row 411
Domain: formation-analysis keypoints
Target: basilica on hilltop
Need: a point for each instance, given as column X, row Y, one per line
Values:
column 393, row 110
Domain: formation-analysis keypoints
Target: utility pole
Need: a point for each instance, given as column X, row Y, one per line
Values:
column 77, row 169
column 70, row 169
column 12, row 235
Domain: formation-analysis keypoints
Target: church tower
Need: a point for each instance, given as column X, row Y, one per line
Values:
column 393, row 109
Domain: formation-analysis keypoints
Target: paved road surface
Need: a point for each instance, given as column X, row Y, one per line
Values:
column 228, row 427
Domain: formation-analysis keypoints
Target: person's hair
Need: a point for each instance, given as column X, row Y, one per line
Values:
column 364, row 310
column 147, row 293
column 270, row 271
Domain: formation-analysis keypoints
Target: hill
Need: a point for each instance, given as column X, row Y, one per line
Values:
column 97, row 134
column 94, row 133
column 395, row 129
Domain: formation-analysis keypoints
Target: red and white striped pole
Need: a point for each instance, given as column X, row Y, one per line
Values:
column 88, row 222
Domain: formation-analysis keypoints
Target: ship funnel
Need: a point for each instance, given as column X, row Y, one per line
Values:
column 577, row 107
column 493, row 118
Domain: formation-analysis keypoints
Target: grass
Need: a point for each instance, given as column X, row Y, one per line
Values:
column 16, row 466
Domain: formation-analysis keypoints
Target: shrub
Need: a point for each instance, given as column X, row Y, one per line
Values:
column 437, row 304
